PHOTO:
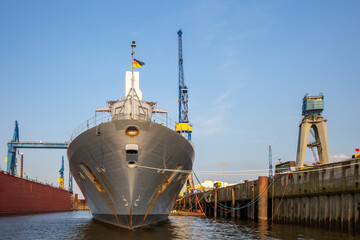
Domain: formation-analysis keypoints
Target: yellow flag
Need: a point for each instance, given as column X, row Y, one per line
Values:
column 138, row 63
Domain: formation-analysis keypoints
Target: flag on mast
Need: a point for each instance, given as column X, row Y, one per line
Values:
column 138, row 63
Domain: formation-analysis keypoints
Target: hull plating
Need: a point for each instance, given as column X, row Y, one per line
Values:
column 123, row 196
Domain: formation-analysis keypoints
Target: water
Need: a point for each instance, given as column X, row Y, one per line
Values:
column 80, row 225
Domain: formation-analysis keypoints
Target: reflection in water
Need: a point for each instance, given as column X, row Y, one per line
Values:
column 96, row 230
column 263, row 229
column 80, row 225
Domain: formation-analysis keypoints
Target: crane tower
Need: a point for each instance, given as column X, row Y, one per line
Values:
column 61, row 171
column 311, row 110
column 270, row 162
column 183, row 127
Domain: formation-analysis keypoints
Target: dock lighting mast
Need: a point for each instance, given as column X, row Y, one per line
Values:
column 270, row 162
column 183, row 127
column 61, row 171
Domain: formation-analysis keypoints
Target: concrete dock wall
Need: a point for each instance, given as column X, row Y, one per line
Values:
column 327, row 196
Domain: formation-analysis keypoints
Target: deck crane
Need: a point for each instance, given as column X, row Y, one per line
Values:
column 61, row 171
column 183, row 127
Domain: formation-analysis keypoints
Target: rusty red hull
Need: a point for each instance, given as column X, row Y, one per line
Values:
column 24, row 196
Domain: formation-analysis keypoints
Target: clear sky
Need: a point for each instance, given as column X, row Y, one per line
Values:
column 248, row 64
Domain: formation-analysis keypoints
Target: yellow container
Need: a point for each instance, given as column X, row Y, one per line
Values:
column 183, row 127
column 61, row 183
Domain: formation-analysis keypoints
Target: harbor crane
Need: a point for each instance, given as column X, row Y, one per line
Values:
column 14, row 144
column 61, row 171
column 183, row 127
column 315, row 124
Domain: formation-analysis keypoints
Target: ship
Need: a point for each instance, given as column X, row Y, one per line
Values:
column 130, row 160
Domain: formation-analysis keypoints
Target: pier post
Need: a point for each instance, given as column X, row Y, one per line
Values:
column 190, row 203
column 262, row 203
column 233, row 201
column 76, row 202
column 252, row 208
column 238, row 210
column 208, row 207
column 222, row 210
column 215, row 210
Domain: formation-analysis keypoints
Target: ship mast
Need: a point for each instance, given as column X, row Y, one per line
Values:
column 133, row 45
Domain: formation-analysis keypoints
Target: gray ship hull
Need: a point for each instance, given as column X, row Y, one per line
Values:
column 126, row 196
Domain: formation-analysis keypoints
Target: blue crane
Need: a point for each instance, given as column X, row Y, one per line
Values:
column 183, row 127
column 61, row 171
column 14, row 144
column 12, row 151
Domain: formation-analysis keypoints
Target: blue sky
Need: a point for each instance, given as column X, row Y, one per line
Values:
column 248, row 64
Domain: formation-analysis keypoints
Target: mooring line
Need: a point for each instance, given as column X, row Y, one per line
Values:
column 287, row 179
column 198, row 199
column 243, row 172
column 251, row 203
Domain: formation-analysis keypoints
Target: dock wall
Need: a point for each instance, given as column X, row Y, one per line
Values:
column 325, row 196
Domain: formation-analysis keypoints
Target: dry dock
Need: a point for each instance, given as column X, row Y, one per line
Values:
column 19, row 196
column 326, row 196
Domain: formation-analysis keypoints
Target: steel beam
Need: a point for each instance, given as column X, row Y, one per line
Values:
column 13, row 146
column 51, row 145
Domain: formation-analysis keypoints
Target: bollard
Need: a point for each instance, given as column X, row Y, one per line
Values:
column 262, row 203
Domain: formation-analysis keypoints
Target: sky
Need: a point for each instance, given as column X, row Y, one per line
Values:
column 247, row 64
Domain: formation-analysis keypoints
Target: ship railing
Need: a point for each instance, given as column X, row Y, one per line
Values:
column 105, row 117
column 102, row 117
column 164, row 120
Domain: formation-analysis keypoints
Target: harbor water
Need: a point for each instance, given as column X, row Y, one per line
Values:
column 80, row 225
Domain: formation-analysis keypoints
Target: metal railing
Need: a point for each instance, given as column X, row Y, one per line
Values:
column 104, row 117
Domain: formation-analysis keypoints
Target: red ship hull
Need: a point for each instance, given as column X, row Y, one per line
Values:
column 19, row 195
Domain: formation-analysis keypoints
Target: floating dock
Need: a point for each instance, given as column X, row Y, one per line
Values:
column 19, row 196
